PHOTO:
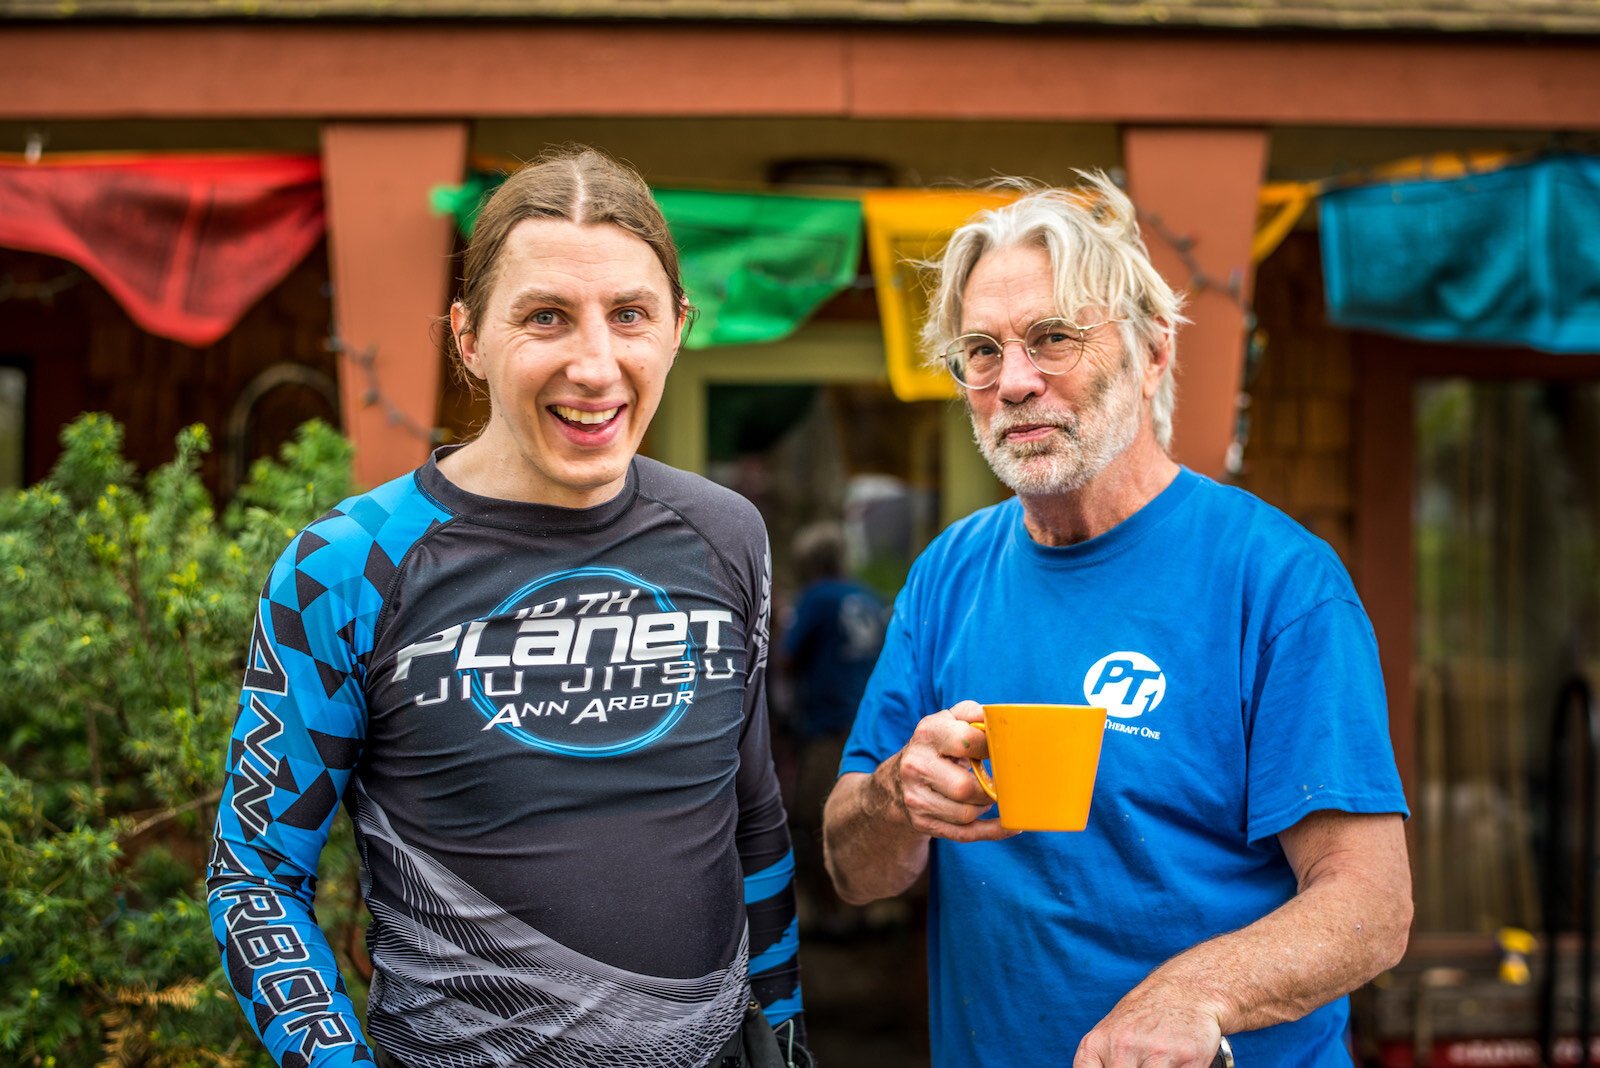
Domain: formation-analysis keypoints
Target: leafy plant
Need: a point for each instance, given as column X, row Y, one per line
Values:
column 125, row 608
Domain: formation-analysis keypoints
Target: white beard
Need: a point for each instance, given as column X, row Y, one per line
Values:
column 1083, row 445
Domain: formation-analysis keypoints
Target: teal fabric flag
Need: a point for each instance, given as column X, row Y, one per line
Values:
column 756, row 265
column 1509, row 257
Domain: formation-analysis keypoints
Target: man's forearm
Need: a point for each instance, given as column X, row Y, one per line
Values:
column 1348, row 923
column 872, row 851
column 1317, row 947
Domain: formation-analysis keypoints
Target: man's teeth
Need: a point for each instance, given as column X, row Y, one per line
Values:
column 576, row 415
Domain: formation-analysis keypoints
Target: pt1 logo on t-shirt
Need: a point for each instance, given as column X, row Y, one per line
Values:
column 1125, row 684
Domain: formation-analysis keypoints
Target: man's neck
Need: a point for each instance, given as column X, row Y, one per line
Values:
column 1128, row 483
column 491, row 466
column 481, row 467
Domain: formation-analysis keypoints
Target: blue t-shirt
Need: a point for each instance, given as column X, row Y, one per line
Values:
column 833, row 643
column 1241, row 677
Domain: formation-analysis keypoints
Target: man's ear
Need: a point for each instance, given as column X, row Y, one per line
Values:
column 684, row 321
column 466, row 338
column 1160, row 349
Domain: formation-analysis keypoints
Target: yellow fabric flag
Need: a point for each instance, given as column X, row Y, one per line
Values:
column 905, row 227
column 1282, row 204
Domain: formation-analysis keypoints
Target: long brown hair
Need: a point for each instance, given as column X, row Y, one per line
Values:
column 577, row 184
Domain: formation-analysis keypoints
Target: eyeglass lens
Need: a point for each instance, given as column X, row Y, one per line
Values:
column 1054, row 346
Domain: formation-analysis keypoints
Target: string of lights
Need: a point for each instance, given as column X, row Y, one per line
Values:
column 44, row 292
column 365, row 360
column 1255, row 337
column 365, row 363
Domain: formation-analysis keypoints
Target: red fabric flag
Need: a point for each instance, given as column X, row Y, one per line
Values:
column 185, row 244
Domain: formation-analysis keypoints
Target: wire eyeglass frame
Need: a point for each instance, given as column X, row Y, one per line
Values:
column 953, row 352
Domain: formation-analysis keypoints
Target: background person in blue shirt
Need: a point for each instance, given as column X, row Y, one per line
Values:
column 1244, row 864
column 829, row 650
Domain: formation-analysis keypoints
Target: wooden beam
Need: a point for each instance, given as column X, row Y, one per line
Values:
column 411, row 70
column 391, row 278
column 1202, row 187
column 1238, row 80
column 1384, row 572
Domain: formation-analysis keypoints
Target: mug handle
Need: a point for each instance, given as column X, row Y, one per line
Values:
column 980, row 772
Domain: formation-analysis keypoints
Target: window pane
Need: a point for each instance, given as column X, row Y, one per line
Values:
column 13, row 399
column 1508, row 602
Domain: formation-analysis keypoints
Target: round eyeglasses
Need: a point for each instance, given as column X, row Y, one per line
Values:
column 1053, row 345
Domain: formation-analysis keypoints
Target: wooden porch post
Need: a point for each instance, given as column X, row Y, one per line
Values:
column 1384, row 567
column 1201, row 186
column 390, row 259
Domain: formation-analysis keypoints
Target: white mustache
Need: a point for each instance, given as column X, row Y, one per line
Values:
column 1027, row 415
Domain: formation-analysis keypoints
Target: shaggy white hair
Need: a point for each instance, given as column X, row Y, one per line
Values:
column 1100, row 264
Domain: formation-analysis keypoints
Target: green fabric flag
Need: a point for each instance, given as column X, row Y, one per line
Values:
column 756, row 265
column 464, row 200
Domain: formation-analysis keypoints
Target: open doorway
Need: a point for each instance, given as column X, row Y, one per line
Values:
column 1478, row 533
column 1507, row 559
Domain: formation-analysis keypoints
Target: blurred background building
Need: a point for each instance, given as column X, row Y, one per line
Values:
column 236, row 212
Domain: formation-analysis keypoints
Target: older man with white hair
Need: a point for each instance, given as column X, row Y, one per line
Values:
column 1244, row 865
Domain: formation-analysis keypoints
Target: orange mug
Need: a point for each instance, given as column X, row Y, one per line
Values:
column 1045, row 758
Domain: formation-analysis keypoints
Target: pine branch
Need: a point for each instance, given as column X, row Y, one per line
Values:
column 183, row 994
column 188, row 663
column 108, row 710
column 129, row 580
column 92, row 736
column 170, row 814
column 118, row 1038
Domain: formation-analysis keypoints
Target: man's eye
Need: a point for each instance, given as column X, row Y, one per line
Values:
column 543, row 318
column 630, row 316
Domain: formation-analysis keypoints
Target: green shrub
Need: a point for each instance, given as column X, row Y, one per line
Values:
column 125, row 609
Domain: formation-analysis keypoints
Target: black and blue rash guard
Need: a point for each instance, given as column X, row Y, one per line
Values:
column 549, row 726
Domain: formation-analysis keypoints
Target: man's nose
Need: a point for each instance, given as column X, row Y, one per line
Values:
column 1019, row 378
column 594, row 365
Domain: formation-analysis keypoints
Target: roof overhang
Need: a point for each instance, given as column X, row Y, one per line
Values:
column 410, row 70
column 1542, row 17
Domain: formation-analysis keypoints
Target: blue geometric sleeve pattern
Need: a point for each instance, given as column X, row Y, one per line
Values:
column 770, row 909
column 774, row 970
column 297, row 738
column 763, row 839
